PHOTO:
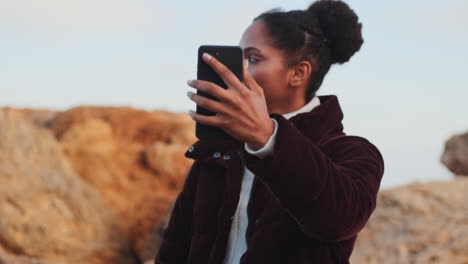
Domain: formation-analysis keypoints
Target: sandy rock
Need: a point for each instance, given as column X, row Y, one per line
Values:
column 419, row 223
column 48, row 212
column 179, row 128
column 165, row 160
column 8, row 258
column 133, row 157
column 39, row 117
column 455, row 156
column 153, row 243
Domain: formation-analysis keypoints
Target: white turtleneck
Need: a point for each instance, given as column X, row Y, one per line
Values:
column 237, row 244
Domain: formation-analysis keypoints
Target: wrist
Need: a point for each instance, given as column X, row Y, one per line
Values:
column 263, row 136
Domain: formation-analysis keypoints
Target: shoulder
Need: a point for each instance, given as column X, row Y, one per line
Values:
column 350, row 147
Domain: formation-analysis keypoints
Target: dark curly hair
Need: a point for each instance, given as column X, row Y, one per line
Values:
column 327, row 32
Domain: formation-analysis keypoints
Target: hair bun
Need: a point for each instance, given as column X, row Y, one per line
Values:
column 340, row 27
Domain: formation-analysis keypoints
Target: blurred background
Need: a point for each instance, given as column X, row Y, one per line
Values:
column 93, row 123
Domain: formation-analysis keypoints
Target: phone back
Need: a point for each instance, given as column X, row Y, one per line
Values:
column 232, row 58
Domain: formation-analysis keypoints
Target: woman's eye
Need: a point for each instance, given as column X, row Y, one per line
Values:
column 252, row 59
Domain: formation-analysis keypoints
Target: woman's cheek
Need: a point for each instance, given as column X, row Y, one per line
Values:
column 257, row 75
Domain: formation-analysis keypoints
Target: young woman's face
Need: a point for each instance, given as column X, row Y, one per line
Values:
column 267, row 66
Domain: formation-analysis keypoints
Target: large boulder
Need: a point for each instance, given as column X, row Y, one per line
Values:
column 39, row 117
column 48, row 213
column 455, row 156
column 134, row 158
column 419, row 223
column 9, row 258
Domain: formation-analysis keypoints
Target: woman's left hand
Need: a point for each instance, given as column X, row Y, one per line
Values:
column 241, row 110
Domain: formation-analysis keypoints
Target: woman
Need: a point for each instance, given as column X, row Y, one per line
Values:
column 292, row 187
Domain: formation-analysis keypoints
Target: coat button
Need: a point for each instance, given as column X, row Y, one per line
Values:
column 217, row 155
column 226, row 157
column 257, row 221
column 191, row 149
column 232, row 218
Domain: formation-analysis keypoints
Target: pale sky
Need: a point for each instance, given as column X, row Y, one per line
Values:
column 405, row 90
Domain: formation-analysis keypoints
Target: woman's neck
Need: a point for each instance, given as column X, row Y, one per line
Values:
column 286, row 106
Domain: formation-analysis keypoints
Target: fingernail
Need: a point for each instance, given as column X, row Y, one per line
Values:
column 207, row 56
column 191, row 113
column 189, row 94
column 189, row 82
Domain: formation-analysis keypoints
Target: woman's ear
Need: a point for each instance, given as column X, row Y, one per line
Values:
column 300, row 74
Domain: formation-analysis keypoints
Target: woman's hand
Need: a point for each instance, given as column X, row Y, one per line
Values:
column 241, row 110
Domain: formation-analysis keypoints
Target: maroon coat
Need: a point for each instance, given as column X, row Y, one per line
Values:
column 309, row 199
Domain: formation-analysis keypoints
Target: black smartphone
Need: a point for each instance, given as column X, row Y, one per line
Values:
column 232, row 58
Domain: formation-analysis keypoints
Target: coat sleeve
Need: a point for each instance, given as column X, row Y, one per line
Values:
column 330, row 198
column 177, row 236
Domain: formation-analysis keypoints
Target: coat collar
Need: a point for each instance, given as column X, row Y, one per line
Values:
column 323, row 120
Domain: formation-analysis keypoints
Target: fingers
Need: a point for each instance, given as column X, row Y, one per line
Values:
column 228, row 77
column 210, row 88
column 207, row 103
column 206, row 120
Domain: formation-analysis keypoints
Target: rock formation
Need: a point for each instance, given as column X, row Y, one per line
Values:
column 39, row 117
column 134, row 158
column 48, row 214
column 455, row 156
column 420, row 223
column 88, row 185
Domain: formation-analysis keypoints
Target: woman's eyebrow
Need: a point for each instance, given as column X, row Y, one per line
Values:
column 251, row 49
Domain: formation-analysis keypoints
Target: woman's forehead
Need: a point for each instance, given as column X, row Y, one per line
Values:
column 255, row 36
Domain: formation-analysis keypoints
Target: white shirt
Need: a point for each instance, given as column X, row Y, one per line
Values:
column 237, row 244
